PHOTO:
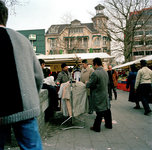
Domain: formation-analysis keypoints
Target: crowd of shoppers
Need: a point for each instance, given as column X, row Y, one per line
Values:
column 140, row 83
column 21, row 107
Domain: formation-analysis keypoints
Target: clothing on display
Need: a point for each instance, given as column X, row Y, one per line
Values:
column 79, row 98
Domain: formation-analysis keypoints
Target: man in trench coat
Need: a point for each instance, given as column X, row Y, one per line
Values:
column 98, row 85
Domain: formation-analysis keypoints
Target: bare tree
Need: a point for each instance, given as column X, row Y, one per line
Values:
column 12, row 3
column 67, row 17
column 122, row 25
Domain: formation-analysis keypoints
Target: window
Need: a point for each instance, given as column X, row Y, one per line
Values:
column 148, row 52
column 100, row 23
column 76, row 30
column 85, row 42
column 104, row 40
column 95, row 23
column 141, row 52
column 135, row 53
column 71, row 43
column 97, row 42
column 139, row 33
column 54, row 29
column 53, row 43
column 138, row 42
column 141, row 42
column 138, row 53
column 149, row 22
column 148, row 42
column 104, row 23
column 148, row 32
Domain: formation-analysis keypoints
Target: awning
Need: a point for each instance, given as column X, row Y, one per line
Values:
column 71, row 59
column 147, row 58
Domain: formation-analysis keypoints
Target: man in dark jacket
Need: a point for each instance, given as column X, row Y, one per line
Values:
column 63, row 76
column 98, row 85
column 21, row 104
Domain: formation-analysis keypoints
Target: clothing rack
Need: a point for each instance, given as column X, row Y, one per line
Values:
column 71, row 118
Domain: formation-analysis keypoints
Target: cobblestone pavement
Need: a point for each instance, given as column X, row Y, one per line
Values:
column 132, row 130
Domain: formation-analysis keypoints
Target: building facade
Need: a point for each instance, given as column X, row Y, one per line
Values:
column 142, row 37
column 79, row 37
column 37, row 39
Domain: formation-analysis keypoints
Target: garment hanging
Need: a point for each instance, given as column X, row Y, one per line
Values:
column 80, row 102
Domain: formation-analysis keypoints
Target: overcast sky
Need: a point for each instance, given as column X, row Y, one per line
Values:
column 41, row 14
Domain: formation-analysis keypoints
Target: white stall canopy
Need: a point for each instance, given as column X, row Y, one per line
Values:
column 71, row 59
column 147, row 58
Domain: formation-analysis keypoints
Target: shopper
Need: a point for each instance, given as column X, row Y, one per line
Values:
column 144, row 80
column 85, row 76
column 133, row 97
column 98, row 85
column 63, row 76
column 51, row 90
column 20, row 107
column 113, row 82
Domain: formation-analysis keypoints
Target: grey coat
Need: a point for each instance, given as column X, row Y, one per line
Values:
column 63, row 77
column 22, row 85
column 98, row 85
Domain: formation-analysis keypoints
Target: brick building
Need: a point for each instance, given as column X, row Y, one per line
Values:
column 142, row 40
column 79, row 37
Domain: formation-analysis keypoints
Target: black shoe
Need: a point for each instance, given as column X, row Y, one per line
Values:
column 90, row 112
column 147, row 112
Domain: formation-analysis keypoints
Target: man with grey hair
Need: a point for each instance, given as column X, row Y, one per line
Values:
column 85, row 76
column 20, row 107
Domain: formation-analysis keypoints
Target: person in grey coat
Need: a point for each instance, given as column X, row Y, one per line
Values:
column 20, row 87
column 98, row 85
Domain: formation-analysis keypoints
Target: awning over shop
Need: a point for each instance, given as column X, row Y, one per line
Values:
column 71, row 59
column 147, row 58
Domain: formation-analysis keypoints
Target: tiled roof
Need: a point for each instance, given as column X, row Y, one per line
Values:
column 61, row 27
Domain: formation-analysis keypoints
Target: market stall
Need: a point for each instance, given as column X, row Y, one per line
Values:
column 55, row 61
column 122, row 80
column 74, row 100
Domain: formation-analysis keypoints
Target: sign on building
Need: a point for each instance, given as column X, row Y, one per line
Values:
column 32, row 37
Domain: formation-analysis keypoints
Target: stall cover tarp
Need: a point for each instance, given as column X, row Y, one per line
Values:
column 82, row 56
column 147, row 58
column 57, row 57
column 77, row 56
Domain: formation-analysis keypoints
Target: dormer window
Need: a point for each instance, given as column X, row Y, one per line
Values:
column 54, row 29
column 75, row 23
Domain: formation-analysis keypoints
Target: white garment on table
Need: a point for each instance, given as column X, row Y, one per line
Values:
column 49, row 81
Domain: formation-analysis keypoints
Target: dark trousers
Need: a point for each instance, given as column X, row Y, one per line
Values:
column 110, row 88
column 144, row 90
column 108, row 120
column 52, row 95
